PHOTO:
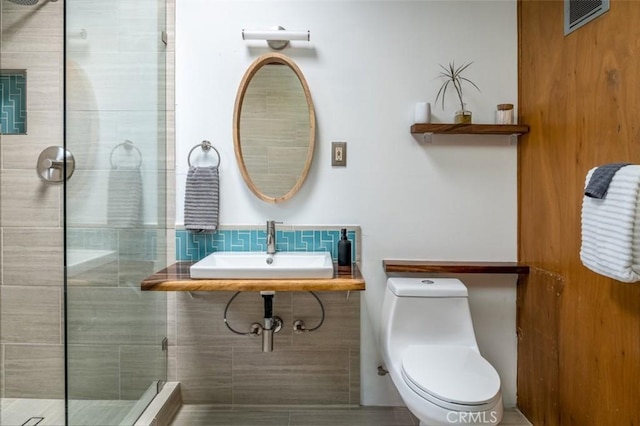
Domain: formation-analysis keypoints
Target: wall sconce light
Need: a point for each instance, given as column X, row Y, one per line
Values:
column 278, row 38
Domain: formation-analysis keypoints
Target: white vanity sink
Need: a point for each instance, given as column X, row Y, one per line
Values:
column 259, row 265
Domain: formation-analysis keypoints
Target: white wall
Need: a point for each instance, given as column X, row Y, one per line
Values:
column 367, row 64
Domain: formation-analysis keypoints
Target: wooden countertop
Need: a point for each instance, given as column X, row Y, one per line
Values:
column 391, row 265
column 176, row 278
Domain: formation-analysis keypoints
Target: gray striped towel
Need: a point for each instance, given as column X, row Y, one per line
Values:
column 124, row 197
column 601, row 178
column 202, row 199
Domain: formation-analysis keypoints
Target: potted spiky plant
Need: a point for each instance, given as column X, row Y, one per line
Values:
column 452, row 75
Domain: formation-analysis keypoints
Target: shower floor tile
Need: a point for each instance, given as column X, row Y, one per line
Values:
column 208, row 415
column 17, row 411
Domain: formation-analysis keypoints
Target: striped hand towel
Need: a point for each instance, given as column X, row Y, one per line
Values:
column 201, row 199
column 611, row 227
column 124, row 197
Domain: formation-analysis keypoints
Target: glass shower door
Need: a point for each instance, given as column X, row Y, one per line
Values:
column 115, row 208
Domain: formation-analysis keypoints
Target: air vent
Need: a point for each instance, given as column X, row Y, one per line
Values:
column 579, row 12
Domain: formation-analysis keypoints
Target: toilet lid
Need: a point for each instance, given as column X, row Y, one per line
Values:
column 456, row 374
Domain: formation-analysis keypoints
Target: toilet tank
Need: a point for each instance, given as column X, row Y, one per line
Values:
column 425, row 311
column 427, row 287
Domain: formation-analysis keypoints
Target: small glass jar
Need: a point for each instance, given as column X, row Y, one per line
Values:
column 463, row 116
column 504, row 115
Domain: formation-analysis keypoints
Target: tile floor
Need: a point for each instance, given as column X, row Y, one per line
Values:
column 50, row 412
column 207, row 415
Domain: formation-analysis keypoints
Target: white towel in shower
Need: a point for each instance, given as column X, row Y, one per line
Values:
column 124, row 198
column 202, row 199
column 611, row 227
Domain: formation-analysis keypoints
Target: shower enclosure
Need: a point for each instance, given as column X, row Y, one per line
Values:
column 80, row 344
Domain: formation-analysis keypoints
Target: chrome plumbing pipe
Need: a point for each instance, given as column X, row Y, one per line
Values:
column 271, row 324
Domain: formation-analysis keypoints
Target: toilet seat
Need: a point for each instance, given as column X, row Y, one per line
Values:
column 453, row 377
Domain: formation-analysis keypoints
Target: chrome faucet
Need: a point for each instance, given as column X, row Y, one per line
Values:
column 271, row 236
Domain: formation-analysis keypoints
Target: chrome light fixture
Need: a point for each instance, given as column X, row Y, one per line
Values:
column 277, row 38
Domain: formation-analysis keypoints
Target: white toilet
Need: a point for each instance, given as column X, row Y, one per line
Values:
column 430, row 350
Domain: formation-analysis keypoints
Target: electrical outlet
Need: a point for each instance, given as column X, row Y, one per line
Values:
column 339, row 154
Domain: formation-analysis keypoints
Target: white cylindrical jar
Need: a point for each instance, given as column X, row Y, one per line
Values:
column 504, row 115
column 422, row 112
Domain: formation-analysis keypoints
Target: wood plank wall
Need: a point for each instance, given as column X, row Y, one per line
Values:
column 579, row 332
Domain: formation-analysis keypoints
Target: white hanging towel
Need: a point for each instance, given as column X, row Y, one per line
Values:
column 611, row 227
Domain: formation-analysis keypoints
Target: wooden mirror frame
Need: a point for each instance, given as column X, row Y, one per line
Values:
column 266, row 59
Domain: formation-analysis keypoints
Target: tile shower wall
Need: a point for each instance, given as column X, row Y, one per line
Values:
column 216, row 366
column 31, row 251
column 31, row 336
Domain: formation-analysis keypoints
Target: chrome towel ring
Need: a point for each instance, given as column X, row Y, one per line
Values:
column 128, row 145
column 206, row 146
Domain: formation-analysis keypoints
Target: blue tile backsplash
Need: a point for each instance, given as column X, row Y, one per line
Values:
column 193, row 247
column 13, row 102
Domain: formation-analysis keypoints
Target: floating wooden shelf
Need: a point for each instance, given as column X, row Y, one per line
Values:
column 177, row 278
column 470, row 129
column 429, row 266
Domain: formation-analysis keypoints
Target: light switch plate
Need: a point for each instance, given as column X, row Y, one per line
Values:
column 339, row 154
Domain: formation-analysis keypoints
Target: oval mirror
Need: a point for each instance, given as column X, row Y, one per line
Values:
column 274, row 128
